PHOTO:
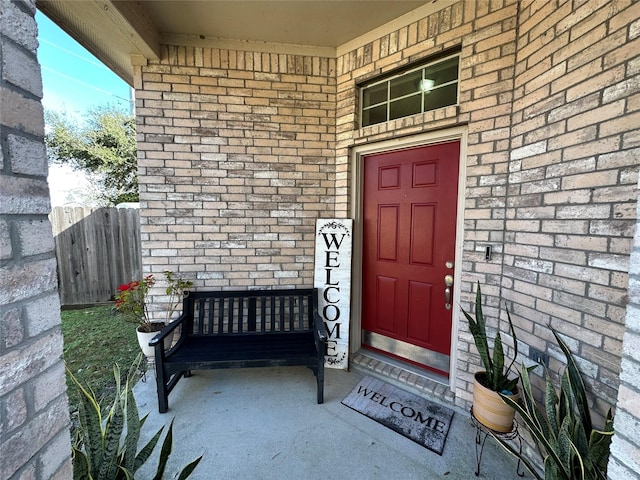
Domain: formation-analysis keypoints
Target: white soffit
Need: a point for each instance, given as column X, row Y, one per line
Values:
column 300, row 26
column 117, row 31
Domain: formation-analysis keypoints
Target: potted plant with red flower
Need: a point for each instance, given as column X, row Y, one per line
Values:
column 131, row 301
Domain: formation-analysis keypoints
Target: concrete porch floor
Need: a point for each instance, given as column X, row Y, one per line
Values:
column 264, row 423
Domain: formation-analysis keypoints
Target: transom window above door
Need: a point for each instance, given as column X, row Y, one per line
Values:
column 420, row 89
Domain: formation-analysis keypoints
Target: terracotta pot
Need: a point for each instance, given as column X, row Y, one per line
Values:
column 489, row 408
column 145, row 337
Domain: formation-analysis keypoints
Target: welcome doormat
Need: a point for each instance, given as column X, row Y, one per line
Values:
column 414, row 417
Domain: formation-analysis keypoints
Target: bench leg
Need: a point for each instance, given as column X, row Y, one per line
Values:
column 161, row 386
column 320, row 382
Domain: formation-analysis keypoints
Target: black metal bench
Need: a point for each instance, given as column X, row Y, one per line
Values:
column 236, row 329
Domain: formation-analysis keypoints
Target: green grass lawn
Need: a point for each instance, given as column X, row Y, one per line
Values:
column 95, row 339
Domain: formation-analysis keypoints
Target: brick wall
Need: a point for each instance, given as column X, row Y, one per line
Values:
column 236, row 154
column 34, row 415
column 572, row 182
column 551, row 165
column 485, row 34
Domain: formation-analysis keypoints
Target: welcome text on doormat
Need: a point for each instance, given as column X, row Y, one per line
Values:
column 417, row 418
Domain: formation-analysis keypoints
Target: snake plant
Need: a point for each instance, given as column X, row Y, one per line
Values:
column 571, row 447
column 496, row 375
column 105, row 445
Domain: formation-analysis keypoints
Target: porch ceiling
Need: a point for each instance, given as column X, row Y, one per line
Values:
column 118, row 31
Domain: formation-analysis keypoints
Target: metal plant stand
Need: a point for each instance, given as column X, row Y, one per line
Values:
column 482, row 432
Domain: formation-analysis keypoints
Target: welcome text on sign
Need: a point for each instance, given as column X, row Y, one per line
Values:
column 331, row 290
column 332, row 278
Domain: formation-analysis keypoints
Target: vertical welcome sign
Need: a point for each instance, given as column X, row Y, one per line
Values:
column 333, row 280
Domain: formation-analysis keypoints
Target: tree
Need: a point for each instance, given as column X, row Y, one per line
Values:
column 105, row 146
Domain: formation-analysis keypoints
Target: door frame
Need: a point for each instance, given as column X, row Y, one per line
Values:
column 357, row 193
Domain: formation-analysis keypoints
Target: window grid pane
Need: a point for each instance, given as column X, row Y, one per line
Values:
column 442, row 97
column 374, row 95
column 405, row 85
column 405, row 107
column 375, row 115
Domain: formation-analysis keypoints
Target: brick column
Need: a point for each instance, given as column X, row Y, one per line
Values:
column 625, row 452
column 34, row 414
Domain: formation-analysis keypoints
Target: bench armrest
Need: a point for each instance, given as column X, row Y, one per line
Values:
column 320, row 330
column 158, row 339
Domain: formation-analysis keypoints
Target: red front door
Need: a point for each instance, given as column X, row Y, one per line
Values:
column 409, row 231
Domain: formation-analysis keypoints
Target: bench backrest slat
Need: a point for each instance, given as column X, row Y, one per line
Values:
column 301, row 312
column 263, row 314
column 220, row 315
column 210, row 317
column 273, row 313
column 201, row 312
column 251, row 315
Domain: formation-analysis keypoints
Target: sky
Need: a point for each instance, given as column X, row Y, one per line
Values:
column 73, row 82
column 73, row 79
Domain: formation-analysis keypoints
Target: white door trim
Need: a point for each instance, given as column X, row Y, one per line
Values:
column 357, row 154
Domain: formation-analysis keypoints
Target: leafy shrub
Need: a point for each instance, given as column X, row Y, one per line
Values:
column 571, row 447
column 105, row 447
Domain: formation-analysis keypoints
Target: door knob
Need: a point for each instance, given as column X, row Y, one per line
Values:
column 448, row 281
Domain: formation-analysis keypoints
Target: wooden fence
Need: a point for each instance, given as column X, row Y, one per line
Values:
column 97, row 250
